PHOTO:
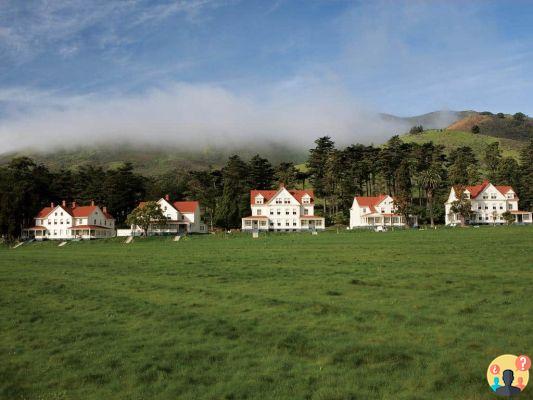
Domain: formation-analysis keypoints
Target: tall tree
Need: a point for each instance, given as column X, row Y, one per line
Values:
column 317, row 164
column 235, row 200
column 260, row 173
column 122, row 191
column 460, row 160
column 525, row 190
column 286, row 174
column 462, row 205
column 24, row 189
column 146, row 215
column 491, row 159
column 206, row 187
column 430, row 180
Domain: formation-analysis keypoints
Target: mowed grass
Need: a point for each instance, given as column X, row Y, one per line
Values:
column 355, row 315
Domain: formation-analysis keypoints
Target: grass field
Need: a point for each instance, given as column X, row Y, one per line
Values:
column 453, row 139
column 356, row 315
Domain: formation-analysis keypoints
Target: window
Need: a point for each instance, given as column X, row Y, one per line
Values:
column 293, row 212
column 493, row 196
column 258, row 200
column 494, row 207
column 278, row 201
column 286, row 223
column 486, row 207
column 259, row 212
column 306, row 211
column 319, row 222
column 479, row 207
column 509, row 206
column 49, row 222
column 287, row 212
column 61, row 213
column 279, row 223
column 485, row 197
column 247, row 222
column 168, row 216
column 510, row 195
column 278, row 212
column 293, row 223
column 287, row 201
column 94, row 221
column 263, row 223
column 61, row 222
column 55, row 214
column 55, row 221
column 501, row 207
column 271, row 212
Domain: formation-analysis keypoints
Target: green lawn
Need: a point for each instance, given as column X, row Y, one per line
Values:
column 356, row 315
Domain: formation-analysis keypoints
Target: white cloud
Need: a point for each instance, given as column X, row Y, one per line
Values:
column 190, row 116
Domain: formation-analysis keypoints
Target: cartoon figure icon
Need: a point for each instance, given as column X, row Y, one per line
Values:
column 508, row 389
column 496, row 383
column 508, row 374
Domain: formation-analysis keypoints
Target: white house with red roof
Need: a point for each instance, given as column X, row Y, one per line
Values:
column 488, row 202
column 375, row 211
column 72, row 222
column 182, row 217
column 282, row 210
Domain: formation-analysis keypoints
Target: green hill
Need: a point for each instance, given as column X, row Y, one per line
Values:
column 454, row 139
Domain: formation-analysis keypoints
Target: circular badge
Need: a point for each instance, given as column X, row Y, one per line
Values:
column 508, row 375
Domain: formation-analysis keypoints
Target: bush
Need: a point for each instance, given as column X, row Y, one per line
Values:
column 475, row 129
column 500, row 115
column 486, row 113
column 519, row 116
column 416, row 129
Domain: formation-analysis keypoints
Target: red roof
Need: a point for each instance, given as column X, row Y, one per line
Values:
column 477, row 189
column 269, row 194
column 186, row 206
column 76, row 212
column 370, row 202
column 44, row 212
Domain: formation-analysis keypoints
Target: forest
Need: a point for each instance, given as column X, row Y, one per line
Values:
column 419, row 176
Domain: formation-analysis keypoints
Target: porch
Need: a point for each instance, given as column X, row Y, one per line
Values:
column 377, row 219
column 255, row 223
column 88, row 232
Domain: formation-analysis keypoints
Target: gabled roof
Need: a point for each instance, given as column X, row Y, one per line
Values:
column 76, row 212
column 370, row 202
column 269, row 194
column 475, row 190
column 186, row 206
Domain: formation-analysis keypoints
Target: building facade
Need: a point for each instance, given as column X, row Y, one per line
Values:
column 183, row 217
column 63, row 222
column 282, row 210
column 488, row 202
column 375, row 211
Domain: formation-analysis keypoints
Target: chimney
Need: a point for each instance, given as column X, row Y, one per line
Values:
column 104, row 209
column 92, row 202
column 63, row 203
column 52, row 204
column 73, row 204
column 281, row 185
column 167, row 197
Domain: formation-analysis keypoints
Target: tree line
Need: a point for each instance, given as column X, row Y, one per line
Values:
column 419, row 176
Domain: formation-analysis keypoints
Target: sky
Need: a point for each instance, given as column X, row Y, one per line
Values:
column 228, row 71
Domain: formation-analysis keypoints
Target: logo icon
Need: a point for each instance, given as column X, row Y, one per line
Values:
column 508, row 374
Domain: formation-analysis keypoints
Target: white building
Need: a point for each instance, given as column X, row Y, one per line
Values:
column 488, row 202
column 375, row 211
column 282, row 210
column 182, row 217
column 72, row 222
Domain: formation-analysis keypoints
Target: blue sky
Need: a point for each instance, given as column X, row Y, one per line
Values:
column 247, row 63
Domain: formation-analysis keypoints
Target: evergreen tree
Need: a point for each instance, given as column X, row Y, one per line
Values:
column 491, row 158
column 235, row 201
column 525, row 190
column 317, row 164
column 286, row 174
column 260, row 173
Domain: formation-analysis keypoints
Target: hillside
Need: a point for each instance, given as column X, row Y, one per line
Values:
column 500, row 125
column 452, row 139
column 155, row 161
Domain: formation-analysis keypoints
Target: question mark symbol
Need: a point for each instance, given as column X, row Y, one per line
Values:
column 523, row 363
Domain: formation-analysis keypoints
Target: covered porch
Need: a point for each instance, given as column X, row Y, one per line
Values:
column 35, row 232
column 170, row 228
column 90, row 232
column 255, row 223
column 522, row 217
column 312, row 223
column 377, row 219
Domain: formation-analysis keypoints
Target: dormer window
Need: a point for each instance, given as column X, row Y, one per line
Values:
column 467, row 195
column 510, row 195
column 259, row 200
column 279, row 201
column 306, row 199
